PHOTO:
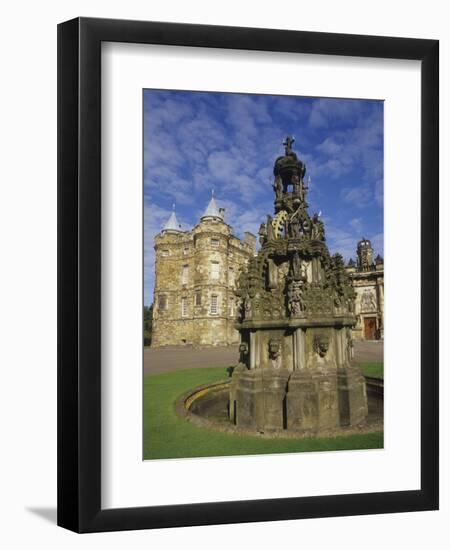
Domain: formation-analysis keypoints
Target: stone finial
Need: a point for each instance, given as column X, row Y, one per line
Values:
column 288, row 143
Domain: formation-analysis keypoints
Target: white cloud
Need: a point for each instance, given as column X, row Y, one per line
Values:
column 341, row 241
column 357, row 224
column 378, row 243
column 228, row 142
column 223, row 165
column 379, row 192
column 359, row 196
column 329, row 147
column 325, row 112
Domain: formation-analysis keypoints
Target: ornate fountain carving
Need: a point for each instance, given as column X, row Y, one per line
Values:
column 296, row 310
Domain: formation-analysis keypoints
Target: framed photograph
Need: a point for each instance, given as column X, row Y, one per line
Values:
column 248, row 275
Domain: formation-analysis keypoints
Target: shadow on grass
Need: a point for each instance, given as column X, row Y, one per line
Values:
column 166, row 435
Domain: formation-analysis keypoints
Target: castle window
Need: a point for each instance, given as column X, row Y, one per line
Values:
column 184, row 309
column 231, row 277
column 162, row 301
column 214, row 308
column 215, row 270
column 198, row 298
column 164, row 253
column 186, row 251
column 215, row 243
column 185, row 275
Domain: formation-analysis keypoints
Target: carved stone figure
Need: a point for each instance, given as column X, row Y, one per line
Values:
column 290, row 315
column 262, row 234
column 243, row 353
column 288, row 143
column 294, row 228
column 317, row 229
column 321, row 344
column 306, row 227
column 296, row 303
column 297, row 271
column 278, row 188
column 368, row 302
column 269, row 229
column 248, row 310
column 351, row 302
column 296, row 184
column 350, row 347
column 275, row 352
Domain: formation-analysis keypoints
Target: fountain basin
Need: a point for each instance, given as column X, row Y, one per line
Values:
column 207, row 406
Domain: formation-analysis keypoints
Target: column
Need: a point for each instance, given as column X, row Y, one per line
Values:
column 299, row 349
column 339, row 350
column 252, row 349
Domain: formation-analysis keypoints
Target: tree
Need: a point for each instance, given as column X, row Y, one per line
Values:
column 148, row 317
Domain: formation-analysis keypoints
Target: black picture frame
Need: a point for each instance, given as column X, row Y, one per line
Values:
column 79, row 274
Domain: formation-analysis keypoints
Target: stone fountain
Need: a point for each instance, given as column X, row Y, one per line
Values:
column 296, row 312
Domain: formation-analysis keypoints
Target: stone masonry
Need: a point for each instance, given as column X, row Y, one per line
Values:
column 296, row 312
column 367, row 277
column 196, row 274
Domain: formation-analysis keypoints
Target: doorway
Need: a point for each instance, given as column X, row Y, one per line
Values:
column 370, row 328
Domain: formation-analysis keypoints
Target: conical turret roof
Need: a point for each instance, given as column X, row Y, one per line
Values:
column 172, row 223
column 212, row 210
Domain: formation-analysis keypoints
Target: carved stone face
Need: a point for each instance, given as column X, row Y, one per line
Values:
column 243, row 348
column 322, row 344
column 274, row 348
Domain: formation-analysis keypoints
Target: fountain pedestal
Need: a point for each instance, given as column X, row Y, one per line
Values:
column 296, row 312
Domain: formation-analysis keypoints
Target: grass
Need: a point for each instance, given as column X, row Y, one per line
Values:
column 166, row 435
column 372, row 369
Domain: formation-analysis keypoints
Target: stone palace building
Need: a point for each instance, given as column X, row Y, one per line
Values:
column 195, row 281
column 367, row 277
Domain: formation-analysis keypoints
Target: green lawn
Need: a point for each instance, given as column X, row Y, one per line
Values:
column 168, row 436
column 373, row 369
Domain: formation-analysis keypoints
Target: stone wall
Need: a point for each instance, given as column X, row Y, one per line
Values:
column 196, row 273
column 369, row 303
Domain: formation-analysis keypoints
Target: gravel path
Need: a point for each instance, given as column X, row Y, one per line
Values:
column 174, row 358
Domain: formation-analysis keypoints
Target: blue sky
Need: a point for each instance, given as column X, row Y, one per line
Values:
column 198, row 141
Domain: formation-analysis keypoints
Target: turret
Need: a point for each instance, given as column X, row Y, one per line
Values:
column 364, row 253
column 172, row 225
column 213, row 212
